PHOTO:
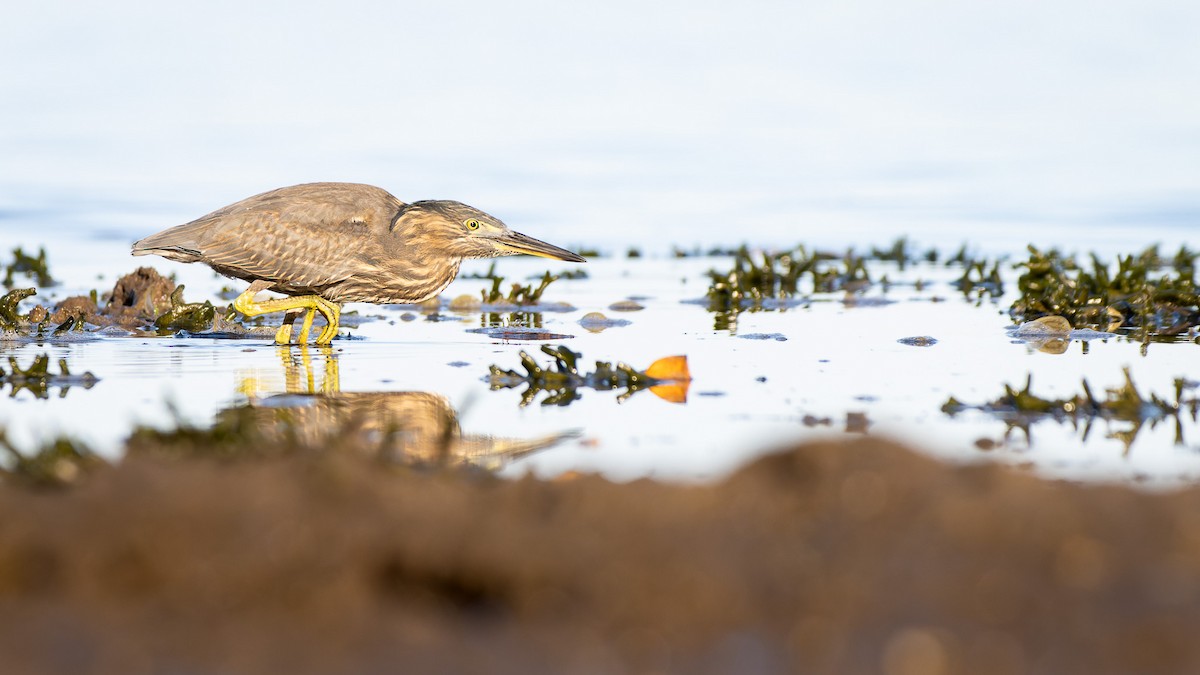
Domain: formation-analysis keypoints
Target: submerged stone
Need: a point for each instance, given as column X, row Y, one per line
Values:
column 465, row 303
column 1045, row 325
column 519, row 333
column 596, row 322
column 780, row 337
column 626, row 306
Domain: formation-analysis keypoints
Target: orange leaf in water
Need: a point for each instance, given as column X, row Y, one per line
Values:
column 674, row 371
column 673, row 368
column 675, row 392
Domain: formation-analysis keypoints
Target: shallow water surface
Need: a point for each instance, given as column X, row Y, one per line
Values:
column 832, row 364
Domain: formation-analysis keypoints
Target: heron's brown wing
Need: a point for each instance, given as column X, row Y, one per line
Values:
column 295, row 255
column 303, row 237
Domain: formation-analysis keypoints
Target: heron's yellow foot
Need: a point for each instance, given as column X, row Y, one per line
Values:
column 245, row 304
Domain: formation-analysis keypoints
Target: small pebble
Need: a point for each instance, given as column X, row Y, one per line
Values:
column 596, row 322
column 465, row 303
column 626, row 306
column 780, row 337
column 1046, row 325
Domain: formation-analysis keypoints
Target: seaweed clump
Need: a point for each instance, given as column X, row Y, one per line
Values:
column 1020, row 407
column 12, row 321
column 59, row 463
column 10, row 318
column 139, row 299
column 1155, row 295
column 772, row 280
column 561, row 381
column 35, row 268
column 519, row 294
column 190, row 316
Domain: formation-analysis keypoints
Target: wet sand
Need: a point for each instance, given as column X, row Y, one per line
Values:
column 856, row 557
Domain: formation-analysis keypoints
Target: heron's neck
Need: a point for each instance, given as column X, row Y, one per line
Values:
column 416, row 264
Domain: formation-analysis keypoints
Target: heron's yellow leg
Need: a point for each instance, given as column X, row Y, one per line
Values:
column 245, row 304
column 308, row 319
column 284, row 334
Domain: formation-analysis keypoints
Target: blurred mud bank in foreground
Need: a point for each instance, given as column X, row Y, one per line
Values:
column 827, row 557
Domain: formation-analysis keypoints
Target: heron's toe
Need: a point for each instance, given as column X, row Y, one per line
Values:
column 283, row 336
column 327, row 334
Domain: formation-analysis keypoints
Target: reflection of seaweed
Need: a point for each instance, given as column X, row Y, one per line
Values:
column 1020, row 408
column 1132, row 296
column 562, row 381
column 512, row 319
column 38, row 379
column 314, row 417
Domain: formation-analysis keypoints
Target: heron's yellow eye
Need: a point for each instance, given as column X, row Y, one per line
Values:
column 472, row 224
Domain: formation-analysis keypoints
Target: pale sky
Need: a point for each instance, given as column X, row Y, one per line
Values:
column 676, row 117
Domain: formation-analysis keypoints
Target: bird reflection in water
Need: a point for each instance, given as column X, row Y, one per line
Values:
column 405, row 427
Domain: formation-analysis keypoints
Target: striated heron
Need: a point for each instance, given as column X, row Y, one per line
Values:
column 325, row 244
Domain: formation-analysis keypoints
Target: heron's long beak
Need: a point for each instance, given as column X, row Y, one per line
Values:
column 515, row 242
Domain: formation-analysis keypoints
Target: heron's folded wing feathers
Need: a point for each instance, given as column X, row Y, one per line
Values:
column 300, row 255
column 302, row 237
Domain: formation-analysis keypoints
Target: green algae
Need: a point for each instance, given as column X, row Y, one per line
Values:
column 519, row 294
column 980, row 278
column 10, row 319
column 58, row 463
column 35, row 268
column 572, row 274
column 34, row 322
column 777, row 280
column 772, row 280
column 1151, row 294
column 193, row 317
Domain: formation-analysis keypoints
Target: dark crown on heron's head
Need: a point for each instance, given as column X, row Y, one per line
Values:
column 442, row 209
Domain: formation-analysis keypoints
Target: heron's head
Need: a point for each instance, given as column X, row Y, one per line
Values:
column 450, row 228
